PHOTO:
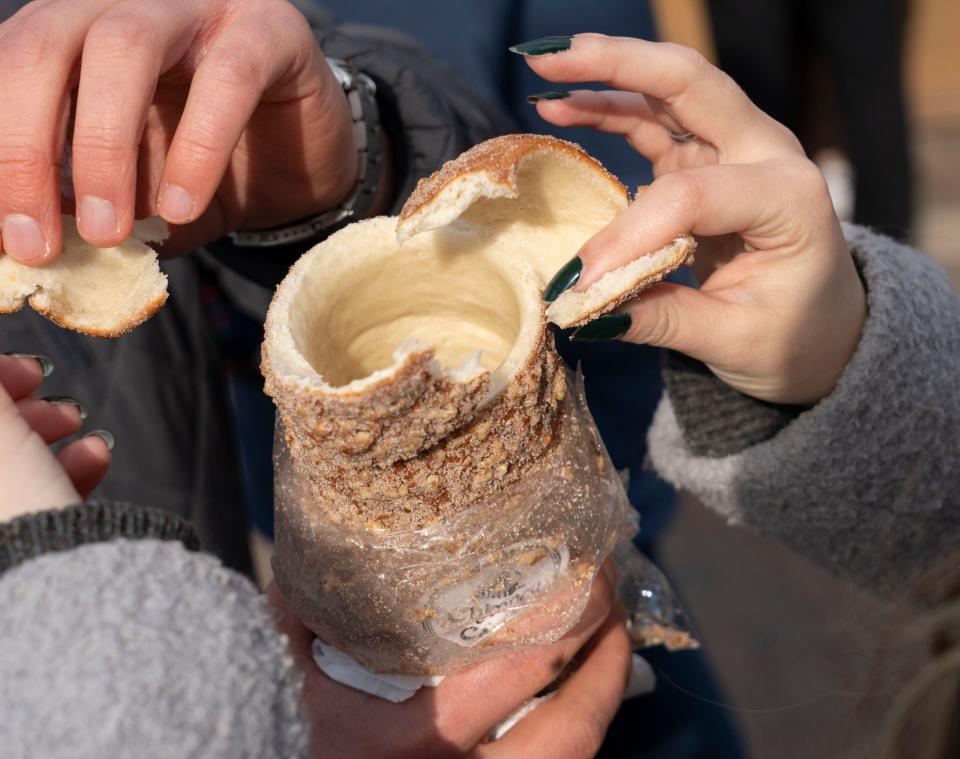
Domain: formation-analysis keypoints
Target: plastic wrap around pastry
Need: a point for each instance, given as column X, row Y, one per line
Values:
column 410, row 358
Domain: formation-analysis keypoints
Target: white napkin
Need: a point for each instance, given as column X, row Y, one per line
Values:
column 338, row 666
column 398, row 688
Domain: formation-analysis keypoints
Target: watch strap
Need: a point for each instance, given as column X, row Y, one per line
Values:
column 360, row 91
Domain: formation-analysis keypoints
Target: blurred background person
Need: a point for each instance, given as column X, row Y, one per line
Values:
column 831, row 71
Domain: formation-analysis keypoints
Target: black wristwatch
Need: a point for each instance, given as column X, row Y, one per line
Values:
column 361, row 92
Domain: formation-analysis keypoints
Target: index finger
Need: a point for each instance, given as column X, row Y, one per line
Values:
column 22, row 373
column 695, row 93
column 574, row 722
column 748, row 200
column 37, row 55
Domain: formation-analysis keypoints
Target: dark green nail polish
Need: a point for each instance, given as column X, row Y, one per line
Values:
column 549, row 95
column 46, row 365
column 543, row 45
column 564, row 279
column 105, row 436
column 606, row 327
column 66, row 400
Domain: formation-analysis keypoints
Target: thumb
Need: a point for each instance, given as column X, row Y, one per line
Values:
column 668, row 316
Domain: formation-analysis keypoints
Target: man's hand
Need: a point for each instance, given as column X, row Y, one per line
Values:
column 214, row 114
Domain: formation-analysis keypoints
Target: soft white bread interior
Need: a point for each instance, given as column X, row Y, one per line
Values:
column 410, row 359
column 573, row 308
column 99, row 291
column 541, row 199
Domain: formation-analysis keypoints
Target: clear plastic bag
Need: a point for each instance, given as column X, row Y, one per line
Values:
column 511, row 570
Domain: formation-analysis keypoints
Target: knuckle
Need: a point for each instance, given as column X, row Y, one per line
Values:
column 119, row 35
column 23, row 167
column 198, row 146
column 691, row 61
column 287, row 15
column 33, row 43
column 537, row 666
column 235, row 65
column 682, row 189
column 809, row 180
column 788, row 138
column 657, row 326
column 586, row 729
column 96, row 145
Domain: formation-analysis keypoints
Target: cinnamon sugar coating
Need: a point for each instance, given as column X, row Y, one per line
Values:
column 392, row 465
column 499, row 159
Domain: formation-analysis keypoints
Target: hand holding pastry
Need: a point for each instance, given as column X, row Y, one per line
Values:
column 780, row 306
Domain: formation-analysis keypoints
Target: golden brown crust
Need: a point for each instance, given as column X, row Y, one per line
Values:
column 63, row 319
column 684, row 258
column 499, row 159
column 380, row 460
column 393, row 420
column 655, row 634
column 98, row 292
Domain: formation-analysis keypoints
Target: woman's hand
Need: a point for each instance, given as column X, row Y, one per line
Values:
column 32, row 478
column 455, row 718
column 780, row 306
column 215, row 114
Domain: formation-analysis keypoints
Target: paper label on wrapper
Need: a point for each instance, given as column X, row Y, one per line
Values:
column 469, row 612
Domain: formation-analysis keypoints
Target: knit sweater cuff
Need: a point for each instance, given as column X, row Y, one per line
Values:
column 33, row 535
column 716, row 419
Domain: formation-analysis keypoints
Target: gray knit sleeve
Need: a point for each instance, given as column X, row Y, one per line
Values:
column 142, row 648
column 867, row 482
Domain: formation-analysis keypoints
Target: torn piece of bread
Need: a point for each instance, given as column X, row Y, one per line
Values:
column 98, row 291
column 538, row 195
column 573, row 309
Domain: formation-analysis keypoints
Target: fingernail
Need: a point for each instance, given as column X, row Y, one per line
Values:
column 176, row 204
column 543, row 45
column 549, row 95
column 46, row 364
column 96, row 218
column 606, row 327
column 105, row 436
column 66, row 400
column 563, row 280
column 22, row 238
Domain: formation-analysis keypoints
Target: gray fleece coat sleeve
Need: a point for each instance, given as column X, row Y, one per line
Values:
column 867, row 482
column 141, row 648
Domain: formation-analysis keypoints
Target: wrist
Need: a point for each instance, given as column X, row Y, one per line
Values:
column 31, row 535
column 839, row 335
column 360, row 142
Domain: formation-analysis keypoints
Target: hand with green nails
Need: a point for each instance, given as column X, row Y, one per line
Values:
column 780, row 306
column 33, row 478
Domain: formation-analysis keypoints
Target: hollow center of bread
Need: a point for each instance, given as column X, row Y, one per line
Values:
column 437, row 294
